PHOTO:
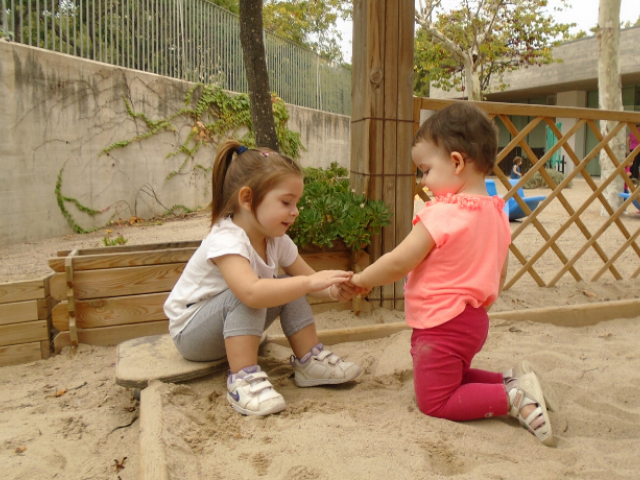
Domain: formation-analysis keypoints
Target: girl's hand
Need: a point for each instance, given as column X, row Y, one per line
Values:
column 355, row 280
column 326, row 278
column 346, row 291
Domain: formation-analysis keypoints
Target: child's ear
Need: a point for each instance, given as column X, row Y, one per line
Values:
column 458, row 162
column 245, row 195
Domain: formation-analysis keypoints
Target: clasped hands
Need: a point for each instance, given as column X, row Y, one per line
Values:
column 347, row 290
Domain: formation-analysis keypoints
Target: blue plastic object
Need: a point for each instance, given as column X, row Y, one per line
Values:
column 636, row 202
column 493, row 191
column 515, row 212
column 511, row 207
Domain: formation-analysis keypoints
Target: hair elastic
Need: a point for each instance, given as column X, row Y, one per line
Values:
column 241, row 149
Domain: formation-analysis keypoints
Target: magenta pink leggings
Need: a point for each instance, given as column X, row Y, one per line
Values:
column 446, row 386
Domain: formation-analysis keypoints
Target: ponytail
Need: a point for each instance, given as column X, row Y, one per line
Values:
column 220, row 167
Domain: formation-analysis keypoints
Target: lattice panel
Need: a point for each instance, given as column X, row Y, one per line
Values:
column 584, row 245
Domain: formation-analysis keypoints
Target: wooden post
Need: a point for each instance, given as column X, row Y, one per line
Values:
column 382, row 122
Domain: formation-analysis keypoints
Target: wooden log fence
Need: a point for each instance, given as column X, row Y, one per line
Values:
column 585, row 118
column 25, row 321
column 114, row 294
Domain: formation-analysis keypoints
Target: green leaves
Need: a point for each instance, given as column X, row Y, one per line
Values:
column 491, row 36
column 330, row 211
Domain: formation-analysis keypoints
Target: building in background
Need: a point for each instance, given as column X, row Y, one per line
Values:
column 572, row 83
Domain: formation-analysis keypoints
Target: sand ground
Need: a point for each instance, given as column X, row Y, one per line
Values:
column 65, row 418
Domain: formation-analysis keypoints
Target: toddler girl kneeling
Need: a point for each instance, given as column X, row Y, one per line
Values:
column 456, row 261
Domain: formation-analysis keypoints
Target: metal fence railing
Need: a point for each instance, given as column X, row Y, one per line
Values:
column 192, row 40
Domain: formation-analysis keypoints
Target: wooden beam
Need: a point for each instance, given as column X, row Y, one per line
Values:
column 112, row 335
column 131, row 309
column 112, row 311
column 22, row 291
column 132, row 248
column 18, row 312
column 529, row 110
column 24, row 332
column 116, row 282
column 153, row 457
column 45, row 349
column 383, row 104
column 574, row 315
column 353, row 334
column 567, row 316
column 125, row 259
column 23, row 353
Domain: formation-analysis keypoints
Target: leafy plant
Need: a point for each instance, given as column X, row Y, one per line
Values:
column 111, row 242
column 330, row 210
column 538, row 182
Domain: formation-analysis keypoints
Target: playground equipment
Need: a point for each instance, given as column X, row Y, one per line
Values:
column 625, row 196
column 511, row 207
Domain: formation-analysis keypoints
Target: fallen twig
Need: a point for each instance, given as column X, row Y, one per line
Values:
column 135, row 417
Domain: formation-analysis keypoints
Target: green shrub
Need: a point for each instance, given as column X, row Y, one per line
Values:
column 538, row 182
column 330, row 210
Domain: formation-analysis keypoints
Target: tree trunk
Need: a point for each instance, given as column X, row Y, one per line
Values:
column 472, row 82
column 255, row 65
column 610, row 93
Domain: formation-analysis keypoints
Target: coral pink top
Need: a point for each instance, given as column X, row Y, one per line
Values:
column 472, row 237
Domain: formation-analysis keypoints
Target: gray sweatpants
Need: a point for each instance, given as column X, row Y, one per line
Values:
column 223, row 316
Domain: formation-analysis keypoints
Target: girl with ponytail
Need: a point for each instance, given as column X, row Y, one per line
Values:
column 229, row 292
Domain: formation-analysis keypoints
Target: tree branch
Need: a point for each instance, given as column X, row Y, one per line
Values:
column 424, row 20
column 493, row 13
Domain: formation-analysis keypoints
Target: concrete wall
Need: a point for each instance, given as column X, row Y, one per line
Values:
column 578, row 70
column 60, row 111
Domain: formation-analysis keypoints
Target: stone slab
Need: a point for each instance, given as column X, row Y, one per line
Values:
column 156, row 358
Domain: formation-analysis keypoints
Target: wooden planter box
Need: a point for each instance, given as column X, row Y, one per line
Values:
column 117, row 293
column 25, row 321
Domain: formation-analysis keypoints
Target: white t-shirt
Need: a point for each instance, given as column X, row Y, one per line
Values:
column 202, row 279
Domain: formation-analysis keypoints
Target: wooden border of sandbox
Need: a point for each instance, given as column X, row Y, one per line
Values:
column 581, row 315
column 25, row 321
column 153, row 464
column 113, row 294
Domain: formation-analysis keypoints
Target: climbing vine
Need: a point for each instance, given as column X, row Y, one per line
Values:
column 61, row 199
column 213, row 115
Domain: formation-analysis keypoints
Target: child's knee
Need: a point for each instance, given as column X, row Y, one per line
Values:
column 430, row 404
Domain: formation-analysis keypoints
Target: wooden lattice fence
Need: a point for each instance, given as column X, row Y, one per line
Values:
column 621, row 258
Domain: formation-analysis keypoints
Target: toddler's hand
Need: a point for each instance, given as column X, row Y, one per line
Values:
column 324, row 279
column 355, row 280
column 346, row 291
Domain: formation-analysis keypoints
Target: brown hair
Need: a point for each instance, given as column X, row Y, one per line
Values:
column 517, row 160
column 464, row 128
column 260, row 169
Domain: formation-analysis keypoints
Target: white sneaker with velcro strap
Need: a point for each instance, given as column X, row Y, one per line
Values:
column 322, row 367
column 250, row 392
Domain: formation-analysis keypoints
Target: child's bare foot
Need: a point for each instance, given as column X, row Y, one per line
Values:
column 526, row 403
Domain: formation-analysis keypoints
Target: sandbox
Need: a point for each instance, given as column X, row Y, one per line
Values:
column 372, row 429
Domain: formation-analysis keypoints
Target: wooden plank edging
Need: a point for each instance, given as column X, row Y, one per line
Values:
column 25, row 290
column 125, row 259
column 16, row 333
column 153, row 464
column 20, row 353
column 567, row 316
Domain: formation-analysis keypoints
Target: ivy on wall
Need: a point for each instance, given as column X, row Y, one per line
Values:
column 214, row 116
